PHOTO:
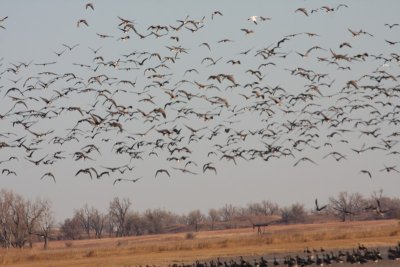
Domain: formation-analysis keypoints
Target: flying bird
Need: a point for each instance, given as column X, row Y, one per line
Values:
column 127, row 180
column 253, row 19
column 217, row 12
column 366, row 172
column 162, row 171
column 389, row 169
column 304, row 159
column 89, row 5
column 318, row 208
column 82, row 21
column 70, row 47
column 391, row 25
column 48, row 174
column 8, row 172
column 303, row 10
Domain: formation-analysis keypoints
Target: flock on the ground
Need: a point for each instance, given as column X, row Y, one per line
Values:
column 311, row 257
column 187, row 109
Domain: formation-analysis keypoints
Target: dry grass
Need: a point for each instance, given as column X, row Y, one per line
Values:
column 175, row 248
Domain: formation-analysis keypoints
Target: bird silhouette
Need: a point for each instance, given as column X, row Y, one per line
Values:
column 126, row 180
column 48, row 174
column 319, row 208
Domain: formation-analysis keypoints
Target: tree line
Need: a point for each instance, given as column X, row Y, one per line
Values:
column 23, row 222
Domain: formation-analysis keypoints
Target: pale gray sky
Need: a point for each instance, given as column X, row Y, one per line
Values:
column 35, row 29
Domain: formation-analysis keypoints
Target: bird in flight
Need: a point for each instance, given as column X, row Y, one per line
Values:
column 70, row 47
column 127, row 180
column 8, row 172
column 304, row 159
column 303, row 10
column 253, row 19
column 89, row 5
column 82, row 21
column 48, row 174
column 162, row 171
column 366, row 172
column 391, row 25
column 318, row 208
column 389, row 169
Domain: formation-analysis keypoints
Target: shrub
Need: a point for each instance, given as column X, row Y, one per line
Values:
column 190, row 235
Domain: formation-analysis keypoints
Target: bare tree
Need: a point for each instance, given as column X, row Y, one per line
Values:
column 18, row 227
column 32, row 215
column 97, row 221
column 158, row 219
column 136, row 224
column 269, row 208
column 154, row 221
column 228, row 212
column 214, row 216
column 6, row 200
column 118, row 211
column 46, row 223
column 195, row 217
column 71, row 228
column 83, row 216
column 294, row 214
column 347, row 205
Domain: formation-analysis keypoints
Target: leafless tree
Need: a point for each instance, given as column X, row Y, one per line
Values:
column 213, row 216
column 83, row 216
column 71, row 228
column 294, row 214
column 195, row 217
column 347, row 205
column 97, row 222
column 158, row 219
column 46, row 223
column 269, row 208
column 118, row 210
column 6, row 200
column 228, row 212
column 136, row 224
column 18, row 227
column 33, row 212
column 20, row 220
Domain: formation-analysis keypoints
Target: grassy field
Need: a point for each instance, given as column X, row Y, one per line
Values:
column 177, row 248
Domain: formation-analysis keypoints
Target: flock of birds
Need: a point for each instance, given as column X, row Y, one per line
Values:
column 184, row 109
column 313, row 257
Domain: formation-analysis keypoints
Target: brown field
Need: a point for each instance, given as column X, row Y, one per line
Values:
column 176, row 248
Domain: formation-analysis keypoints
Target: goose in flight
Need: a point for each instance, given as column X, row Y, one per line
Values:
column 206, row 45
column 391, row 25
column 318, row 208
column 48, row 174
column 247, row 31
column 70, row 47
column 184, row 170
column 217, row 12
column 8, row 172
column 89, row 5
column 389, row 169
column 253, row 19
column 303, row 10
column 128, row 180
column 304, row 159
column 82, row 21
column 366, row 172
column 378, row 209
column 162, row 171
column 208, row 166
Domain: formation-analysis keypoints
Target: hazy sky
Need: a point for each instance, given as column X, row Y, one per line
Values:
column 37, row 29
